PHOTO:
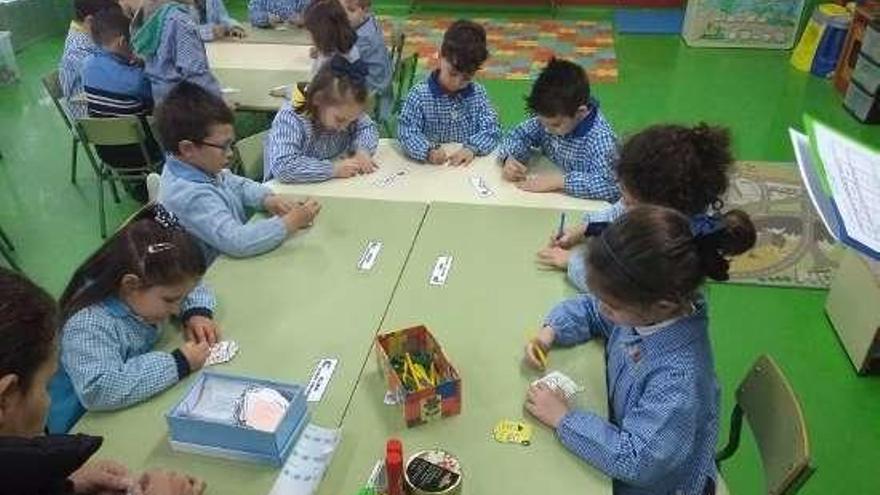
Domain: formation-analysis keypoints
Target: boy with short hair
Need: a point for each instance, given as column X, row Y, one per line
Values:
column 449, row 107
column 370, row 44
column 570, row 130
column 195, row 127
column 77, row 46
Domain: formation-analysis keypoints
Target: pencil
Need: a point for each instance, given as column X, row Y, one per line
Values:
column 539, row 352
column 561, row 226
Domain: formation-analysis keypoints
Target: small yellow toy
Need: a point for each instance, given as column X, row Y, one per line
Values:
column 508, row 431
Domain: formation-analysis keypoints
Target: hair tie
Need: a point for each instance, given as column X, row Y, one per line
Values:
column 165, row 218
column 704, row 225
column 356, row 71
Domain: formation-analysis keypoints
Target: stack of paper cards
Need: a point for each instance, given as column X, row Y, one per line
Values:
column 222, row 352
column 556, row 380
column 262, row 408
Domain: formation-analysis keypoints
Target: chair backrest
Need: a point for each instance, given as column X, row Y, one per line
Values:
column 397, row 45
column 774, row 415
column 115, row 131
column 404, row 80
column 52, row 84
column 154, row 181
column 250, row 155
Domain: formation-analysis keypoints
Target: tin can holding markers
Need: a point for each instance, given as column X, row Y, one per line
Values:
column 433, row 472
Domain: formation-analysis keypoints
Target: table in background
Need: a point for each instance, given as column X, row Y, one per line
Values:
column 258, row 56
column 249, row 89
column 286, row 35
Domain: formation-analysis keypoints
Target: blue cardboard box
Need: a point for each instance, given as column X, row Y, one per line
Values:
column 214, row 433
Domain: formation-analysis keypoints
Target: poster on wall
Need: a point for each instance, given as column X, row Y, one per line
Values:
column 769, row 24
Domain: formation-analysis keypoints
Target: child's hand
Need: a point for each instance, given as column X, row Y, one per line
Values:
column 346, row 168
column 237, row 32
column 367, row 165
column 169, row 483
column 513, row 170
column 101, row 477
column 541, row 183
column 554, row 257
column 437, row 157
column 570, row 238
column 543, row 342
column 220, row 31
column 313, row 52
column 548, row 406
column 297, row 21
column 461, row 157
column 274, row 19
column 201, row 329
column 196, row 353
column 302, row 215
column 278, row 205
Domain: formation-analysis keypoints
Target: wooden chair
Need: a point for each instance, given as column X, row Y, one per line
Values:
column 402, row 77
column 249, row 156
column 6, row 249
column 52, row 84
column 766, row 400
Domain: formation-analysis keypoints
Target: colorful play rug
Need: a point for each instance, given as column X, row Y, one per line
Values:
column 518, row 49
column 794, row 249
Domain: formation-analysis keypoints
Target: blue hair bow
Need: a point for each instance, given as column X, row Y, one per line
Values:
column 165, row 218
column 703, row 225
column 356, row 71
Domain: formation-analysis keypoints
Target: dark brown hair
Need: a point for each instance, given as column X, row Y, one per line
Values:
column 187, row 114
column 108, row 25
column 28, row 326
column 152, row 247
column 85, row 8
column 560, row 89
column 336, row 82
column 651, row 253
column 464, row 46
column 684, row 168
column 328, row 24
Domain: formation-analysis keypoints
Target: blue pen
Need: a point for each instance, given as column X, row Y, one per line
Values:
column 561, row 226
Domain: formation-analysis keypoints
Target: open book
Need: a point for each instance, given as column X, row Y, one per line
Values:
column 842, row 177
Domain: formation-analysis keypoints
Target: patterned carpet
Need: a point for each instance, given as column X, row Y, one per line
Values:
column 518, row 49
column 794, row 249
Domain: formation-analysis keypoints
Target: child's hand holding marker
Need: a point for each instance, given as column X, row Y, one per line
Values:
column 538, row 349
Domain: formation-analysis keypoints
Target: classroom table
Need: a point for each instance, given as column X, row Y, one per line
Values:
column 494, row 299
column 287, row 309
column 258, row 56
column 402, row 179
column 282, row 35
column 249, row 89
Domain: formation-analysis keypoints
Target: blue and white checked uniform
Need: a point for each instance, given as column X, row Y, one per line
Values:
column 180, row 57
column 663, row 397
column 586, row 155
column 577, row 264
column 115, row 87
column 430, row 117
column 371, row 47
column 213, row 209
column 299, row 150
column 107, row 351
column 77, row 47
column 259, row 10
column 215, row 15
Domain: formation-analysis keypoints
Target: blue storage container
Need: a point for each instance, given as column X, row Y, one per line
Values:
column 194, row 432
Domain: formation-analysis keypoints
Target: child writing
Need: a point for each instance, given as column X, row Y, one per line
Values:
column 113, row 309
column 569, row 129
column 329, row 125
column 449, row 107
column 34, row 463
column 683, row 168
column 77, row 47
column 370, row 44
column 276, row 13
column 644, row 274
column 213, row 20
column 331, row 32
column 195, row 127
column 166, row 37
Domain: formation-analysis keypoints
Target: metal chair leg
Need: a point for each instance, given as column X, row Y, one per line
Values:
column 5, row 240
column 6, row 249
column 101, row 214
column 73, row 152
column 114, row 190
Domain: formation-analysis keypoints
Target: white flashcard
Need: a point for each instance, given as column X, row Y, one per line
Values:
column 311, row 456
column 227, row 91
column 369, row 256
column 390, row 179
column 441, row 270
column 480, row 186
column 222, row 352
column 320, row 379
column 557, row 380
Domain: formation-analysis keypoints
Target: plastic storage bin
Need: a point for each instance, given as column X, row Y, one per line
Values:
column 8, row 68
column 867, row 74
column 871, row 41
column 864, row 106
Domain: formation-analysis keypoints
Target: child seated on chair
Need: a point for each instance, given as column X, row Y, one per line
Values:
column 328, row 134
column 276, row 13
column 449, row 107
column 213, row 20
column 195, row 127
column 331, row 32
column 116, row 86
column 77, row 47
column 569, row 129
column 165, row 36
column 370, row 44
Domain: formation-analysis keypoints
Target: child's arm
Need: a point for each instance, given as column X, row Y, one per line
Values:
column 488, row 131
column 601, row 182
column 102, row 376
column 284, row 155
column 652, row 439
column 520, row 141
column 576, row 321
column 199, row 302
column 191, row 60
column 252, row 193
column 410, row 127
column 258, row 13
column 366, row 136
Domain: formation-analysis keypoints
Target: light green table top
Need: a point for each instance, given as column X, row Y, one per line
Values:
column 495, row 297
column 286, row 309
column 249, row 89
column 288, row 35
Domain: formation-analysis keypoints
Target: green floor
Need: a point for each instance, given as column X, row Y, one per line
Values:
column 755, row 93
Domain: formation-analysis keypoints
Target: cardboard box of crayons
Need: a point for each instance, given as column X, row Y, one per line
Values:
column 209, row 419
column 419, row 374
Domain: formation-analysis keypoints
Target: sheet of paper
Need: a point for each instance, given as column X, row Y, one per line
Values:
column 390, row 179
column 803, row 155
column 854, row 177
column 369, row 256
column 480, row 186
column 222, row 352
column 441, row 270
column 311, row 456
column 320, row 379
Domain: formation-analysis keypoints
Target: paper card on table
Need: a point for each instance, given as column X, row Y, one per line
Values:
column 390, row 179
column 480, row 186
column 320, row 379
column 556, row 380
column 441, row 270
column 369, row 256
column 227, row 91
column 305, row 468
column 508, row 431
column 222, row 352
